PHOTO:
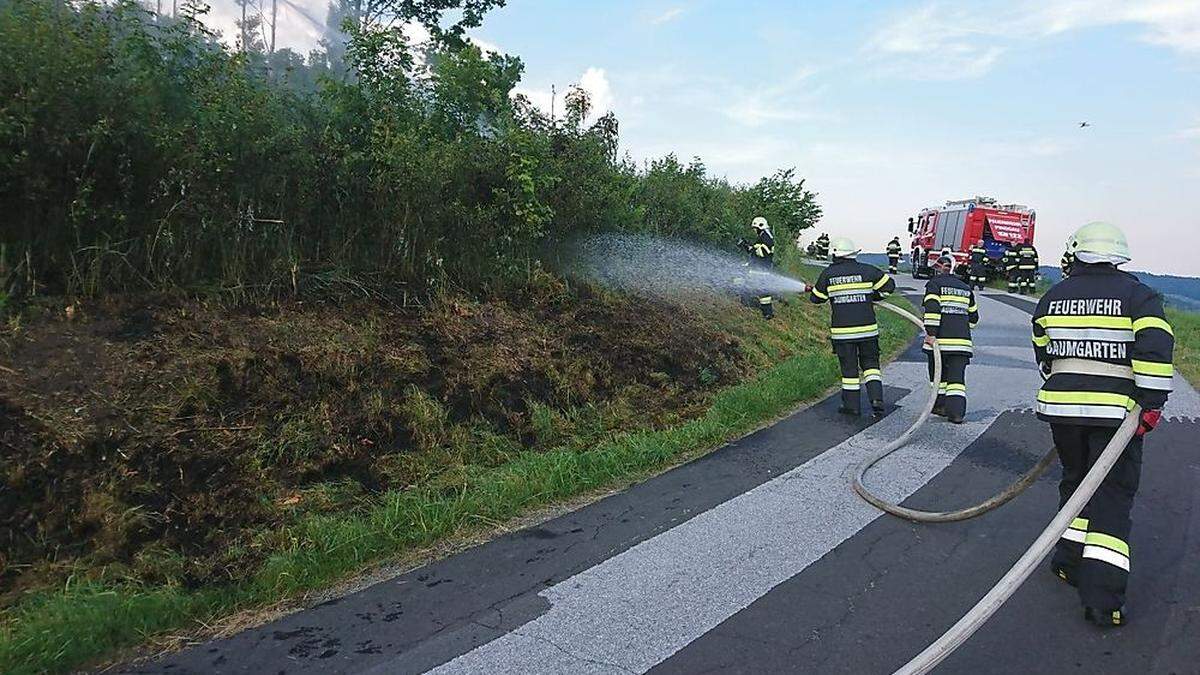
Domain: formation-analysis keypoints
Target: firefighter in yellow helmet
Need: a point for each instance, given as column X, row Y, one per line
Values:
column 1011, row 262
column 1027, row 267
column 823, row 246
column 851, row 287
column 950, row 315
column 1065, row 263
column 978, row 262
column 893, row 255
column 1104, row 344
column 762, row 261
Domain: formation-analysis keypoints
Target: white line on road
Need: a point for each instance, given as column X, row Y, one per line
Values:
column 636, row 609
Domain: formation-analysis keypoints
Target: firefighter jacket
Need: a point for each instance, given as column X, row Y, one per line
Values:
column 978, row 256
column 1011, row 259
column 762, row 251
column 851, row 287
column 1027, row 258
column 950, row 313
column 1102, row 337
column 893, row 247
column 823, row 245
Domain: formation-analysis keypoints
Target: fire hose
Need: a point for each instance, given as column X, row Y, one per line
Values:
column 974, row 619
column 937, row 516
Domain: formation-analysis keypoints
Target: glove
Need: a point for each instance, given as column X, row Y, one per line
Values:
column 1150, row 419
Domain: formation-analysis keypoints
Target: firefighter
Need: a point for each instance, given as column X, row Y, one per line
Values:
column 950, row 314
column 762, row 260
column 851, row 287
column 1027, row 266
column 811, row 250
column 823, row 246
column 1011, row 261
column 978, row 265
column 1065, row 263
column 1103, row 342
column 893, row 254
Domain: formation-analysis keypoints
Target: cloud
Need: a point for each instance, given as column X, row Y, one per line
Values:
column 936, row 42
column 593, row 80
column 1189, row 134
column 788, row 100
column 488, row 48
column 667, row 16
column 940, row 41
column 1168, row 23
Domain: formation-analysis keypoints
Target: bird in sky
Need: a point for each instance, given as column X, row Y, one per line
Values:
column 1084, row 124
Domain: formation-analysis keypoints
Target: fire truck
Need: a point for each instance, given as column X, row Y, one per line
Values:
column 960, row 224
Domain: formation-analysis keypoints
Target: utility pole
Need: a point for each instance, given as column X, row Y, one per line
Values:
column 552, row 95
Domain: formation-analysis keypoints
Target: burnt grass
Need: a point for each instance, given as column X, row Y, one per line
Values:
column 165, row 439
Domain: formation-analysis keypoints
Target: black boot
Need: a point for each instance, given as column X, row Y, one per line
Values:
column 877, row 409
column 1064, row 574
column 1106, row 619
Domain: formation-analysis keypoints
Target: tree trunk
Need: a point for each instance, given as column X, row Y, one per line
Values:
column 274, row 12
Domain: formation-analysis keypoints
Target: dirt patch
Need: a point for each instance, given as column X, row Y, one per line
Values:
column 160, row 438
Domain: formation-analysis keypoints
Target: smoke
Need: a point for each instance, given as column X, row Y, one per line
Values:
column 669, row 269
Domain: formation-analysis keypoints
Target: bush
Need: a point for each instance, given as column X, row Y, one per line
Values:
column 141, row 153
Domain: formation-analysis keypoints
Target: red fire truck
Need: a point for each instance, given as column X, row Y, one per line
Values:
column 960, row 224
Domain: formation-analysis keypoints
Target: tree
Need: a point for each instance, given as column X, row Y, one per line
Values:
column 782, row 199
column 250, row 26
column 427, row 13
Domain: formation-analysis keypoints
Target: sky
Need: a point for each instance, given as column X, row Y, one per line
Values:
column 886, row 106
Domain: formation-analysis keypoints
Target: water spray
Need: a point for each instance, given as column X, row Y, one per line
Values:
column 671, row 269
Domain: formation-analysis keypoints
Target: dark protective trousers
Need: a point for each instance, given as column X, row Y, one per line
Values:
column 762, row 295
column 1093, row 554
column 978, row 276
column 1014, row 281
column 952, row 390
column 1026, row 280
column 893, row 264
column 859, row 361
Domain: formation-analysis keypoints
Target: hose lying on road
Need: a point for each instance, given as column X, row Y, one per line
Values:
column 936, row 516
column 961, row 631
column 935, row 653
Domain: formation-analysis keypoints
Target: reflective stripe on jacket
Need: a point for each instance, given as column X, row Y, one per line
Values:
column 850, row 287
column 1104, row 315
column 950, row 313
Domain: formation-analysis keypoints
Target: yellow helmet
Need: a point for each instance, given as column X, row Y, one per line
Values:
column 1099, row 242
column 842, row 247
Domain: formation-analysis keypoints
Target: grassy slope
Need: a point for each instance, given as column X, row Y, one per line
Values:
column 1187, row 343
column 59, row 629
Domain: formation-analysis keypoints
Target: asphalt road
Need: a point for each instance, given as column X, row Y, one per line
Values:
column 760, row 558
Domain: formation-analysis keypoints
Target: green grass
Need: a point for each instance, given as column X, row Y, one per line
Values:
column 1187, row 343
column 80, row 623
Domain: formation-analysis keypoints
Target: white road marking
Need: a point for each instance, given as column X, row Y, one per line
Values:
column 638, row 608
